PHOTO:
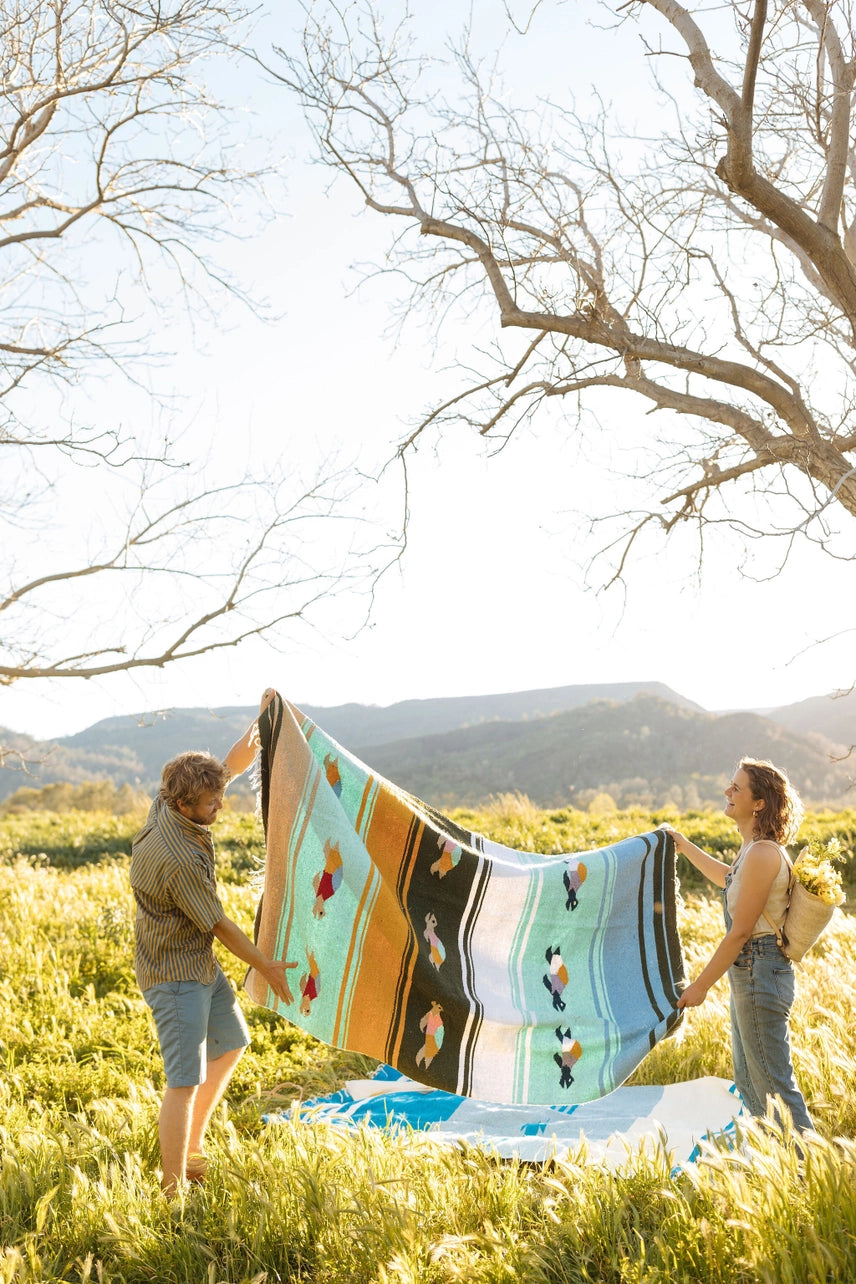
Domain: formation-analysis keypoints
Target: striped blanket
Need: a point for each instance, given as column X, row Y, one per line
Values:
column 487, row 972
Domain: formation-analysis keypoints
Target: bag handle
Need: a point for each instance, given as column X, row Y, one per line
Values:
column 780, row 938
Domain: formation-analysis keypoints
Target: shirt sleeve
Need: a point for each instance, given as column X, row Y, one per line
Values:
column 194, row 892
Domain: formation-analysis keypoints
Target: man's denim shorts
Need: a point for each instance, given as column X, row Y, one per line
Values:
column 196, row 1023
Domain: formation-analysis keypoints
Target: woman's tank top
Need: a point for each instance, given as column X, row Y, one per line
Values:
column 777, row 901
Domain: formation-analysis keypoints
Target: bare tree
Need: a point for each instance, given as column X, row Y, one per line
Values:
column 184, row 578
column 116, row 182
column 705, row 268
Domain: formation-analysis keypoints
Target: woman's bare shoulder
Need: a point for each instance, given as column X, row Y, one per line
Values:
column 763, row 849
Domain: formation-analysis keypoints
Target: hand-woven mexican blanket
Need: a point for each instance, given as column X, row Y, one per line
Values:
column 487, row 972
column 678, row 1116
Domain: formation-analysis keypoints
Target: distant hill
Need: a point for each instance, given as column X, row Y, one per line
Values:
column 647, row 751
column 133, row 749
column 125, row 750
column 830, row 716
column 359, row 724
column 639, row 742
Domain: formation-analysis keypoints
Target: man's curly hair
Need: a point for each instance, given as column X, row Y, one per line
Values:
column 186, row 778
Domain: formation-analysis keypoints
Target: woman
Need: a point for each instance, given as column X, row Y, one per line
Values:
column 767, row 811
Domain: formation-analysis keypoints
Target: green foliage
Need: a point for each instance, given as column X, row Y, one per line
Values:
column 67, row 839
column 91, row 795
column 80, row 1080
column 72, row 838
column 515, row 821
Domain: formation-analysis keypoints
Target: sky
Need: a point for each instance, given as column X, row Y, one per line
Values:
column 490, row 594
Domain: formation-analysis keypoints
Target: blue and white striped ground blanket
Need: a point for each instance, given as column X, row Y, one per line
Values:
column 679, row 1116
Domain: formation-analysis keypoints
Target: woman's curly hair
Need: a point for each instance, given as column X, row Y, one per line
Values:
column 782, row 813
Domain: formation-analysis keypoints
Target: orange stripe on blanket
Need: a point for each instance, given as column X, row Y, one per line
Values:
column 387, row 940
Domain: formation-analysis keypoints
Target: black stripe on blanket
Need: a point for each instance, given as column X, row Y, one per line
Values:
column 669, row 953
column 641, row 919
column 666, row 941
column 270, row 725
column 399, row 1010
column 437, row 913
column 465, row 1071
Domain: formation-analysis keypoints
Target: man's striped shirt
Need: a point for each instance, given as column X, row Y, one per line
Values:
column 174, row 885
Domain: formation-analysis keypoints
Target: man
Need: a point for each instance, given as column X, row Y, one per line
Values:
column 201, row 1030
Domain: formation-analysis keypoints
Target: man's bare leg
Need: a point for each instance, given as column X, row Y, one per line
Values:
column 174, row 1126
column 207, row 1098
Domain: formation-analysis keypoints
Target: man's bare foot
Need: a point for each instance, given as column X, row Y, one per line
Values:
column 197, row 1167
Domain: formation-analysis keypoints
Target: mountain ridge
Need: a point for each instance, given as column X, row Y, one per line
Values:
column 430, row 746
column 646, row 752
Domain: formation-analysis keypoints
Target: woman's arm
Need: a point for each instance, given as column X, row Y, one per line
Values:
column 761, row 864
column 243, row 751
column 713, row 869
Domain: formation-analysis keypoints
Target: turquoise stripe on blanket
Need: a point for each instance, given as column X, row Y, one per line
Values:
column 473, row 968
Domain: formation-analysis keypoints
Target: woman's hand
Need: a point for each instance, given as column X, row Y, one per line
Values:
column 711, row 868
column 693, row 996
column 677, row 837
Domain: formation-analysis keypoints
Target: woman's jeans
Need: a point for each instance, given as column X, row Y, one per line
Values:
column 762, row 994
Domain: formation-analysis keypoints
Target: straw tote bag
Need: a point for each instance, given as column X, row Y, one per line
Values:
column 806, row 918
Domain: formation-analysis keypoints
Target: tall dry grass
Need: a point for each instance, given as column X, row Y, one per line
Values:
column 79, row 1088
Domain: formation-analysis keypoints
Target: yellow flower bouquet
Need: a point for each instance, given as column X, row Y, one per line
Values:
column 813, row 868
column 815, row 891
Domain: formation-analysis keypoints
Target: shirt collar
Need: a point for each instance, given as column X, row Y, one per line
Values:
column 169, row 817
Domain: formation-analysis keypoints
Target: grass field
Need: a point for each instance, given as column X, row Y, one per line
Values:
column 81, row 1078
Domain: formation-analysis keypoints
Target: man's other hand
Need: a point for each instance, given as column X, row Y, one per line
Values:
column 274, row 974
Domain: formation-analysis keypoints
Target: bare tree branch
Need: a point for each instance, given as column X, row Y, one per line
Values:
column 712, row 275
column 118, row 178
